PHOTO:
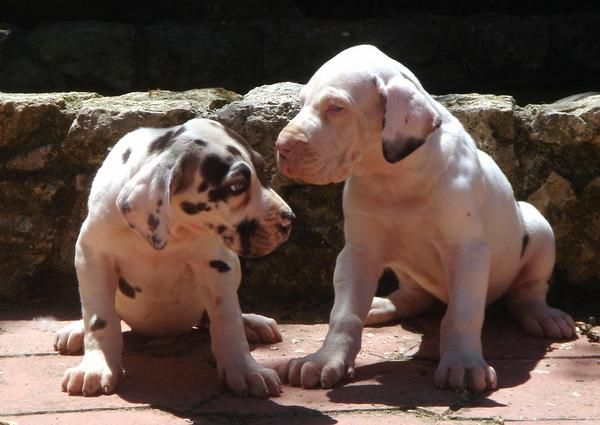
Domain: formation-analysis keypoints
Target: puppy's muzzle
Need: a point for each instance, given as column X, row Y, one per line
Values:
column 289, row 145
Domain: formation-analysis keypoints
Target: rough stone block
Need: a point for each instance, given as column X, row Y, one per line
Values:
column 52, row 144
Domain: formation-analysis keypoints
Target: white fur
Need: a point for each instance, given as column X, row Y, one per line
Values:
column 443, row 217
column 167, row 259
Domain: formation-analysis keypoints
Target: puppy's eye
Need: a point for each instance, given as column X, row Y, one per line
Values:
column 237, row 187
column 335, row 108
column 239, row 180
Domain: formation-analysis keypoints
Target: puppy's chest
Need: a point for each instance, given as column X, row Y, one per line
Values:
column 415, row 248
column 410, row 237
column 148, row 274
column 155, row 281
column 406, row 225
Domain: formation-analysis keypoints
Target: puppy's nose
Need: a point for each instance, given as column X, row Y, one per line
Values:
column 286, row 143
column 287, row 217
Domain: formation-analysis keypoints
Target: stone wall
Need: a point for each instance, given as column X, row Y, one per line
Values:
column 533, row 56
column 51, row 145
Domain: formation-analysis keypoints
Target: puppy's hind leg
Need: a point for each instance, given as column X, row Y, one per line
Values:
column 527, row 295
column 407, row 301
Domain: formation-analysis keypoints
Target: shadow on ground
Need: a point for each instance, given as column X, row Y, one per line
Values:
column 407, row 382
column 395, row 371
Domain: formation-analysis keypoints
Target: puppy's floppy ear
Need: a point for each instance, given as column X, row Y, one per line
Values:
column 145, row 200
column 409, row 118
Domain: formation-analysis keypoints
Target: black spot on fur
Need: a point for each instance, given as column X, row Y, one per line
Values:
column 159, row 203
column 185, row 172
column 392, row 154
column 220, row 266
column 97, row 323
column 383, row 102
column 126, row 155
column 153, row 222
column 233, row 150
column 200, row 142
column 161, row 143
column 156, row 241
column 127, row 289
column 525, row 243
column 221, row 228
column 179, row 131
column 258, row 161
column 191, row 208
column 247, row 228
column 241, row 176
column 202, row 187
column 214, row 169
column 219, row 194
column 125, row 206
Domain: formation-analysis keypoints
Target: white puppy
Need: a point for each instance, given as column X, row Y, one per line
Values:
column 421, row 199
column 200, row 188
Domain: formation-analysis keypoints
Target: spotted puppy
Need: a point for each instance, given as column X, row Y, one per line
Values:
column 168, row 211
column 421, row 199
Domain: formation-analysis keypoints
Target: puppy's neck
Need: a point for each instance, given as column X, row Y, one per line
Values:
column 420, row 171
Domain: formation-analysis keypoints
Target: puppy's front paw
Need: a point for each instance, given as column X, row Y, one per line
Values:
column 325, row 367
column 248, row 378
column 260, row 329
column 465, row 371
column 69, row 339
column 92, row 376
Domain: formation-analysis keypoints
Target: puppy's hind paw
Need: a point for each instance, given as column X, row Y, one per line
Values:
column 69, row 339
column 382, row 311
column 539, row 319
column 261, row 329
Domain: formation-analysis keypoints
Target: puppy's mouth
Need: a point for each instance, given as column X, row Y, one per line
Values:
column 257, row 239
column 315, row 174
column 285, row 231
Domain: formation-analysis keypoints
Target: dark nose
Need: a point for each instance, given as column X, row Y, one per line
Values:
column 287, row 218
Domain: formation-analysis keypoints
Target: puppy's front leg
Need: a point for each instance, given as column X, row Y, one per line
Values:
column 461, row 360
column 355, row 283
column 100, row 368
column 230, row 347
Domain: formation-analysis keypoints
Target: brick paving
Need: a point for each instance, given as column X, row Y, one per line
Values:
column 174, row 381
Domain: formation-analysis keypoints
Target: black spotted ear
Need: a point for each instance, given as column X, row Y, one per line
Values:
column 258, row 162
column 145, row 200
column 409, row 118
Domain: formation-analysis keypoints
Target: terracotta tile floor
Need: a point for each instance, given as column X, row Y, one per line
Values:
column 541, row 381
